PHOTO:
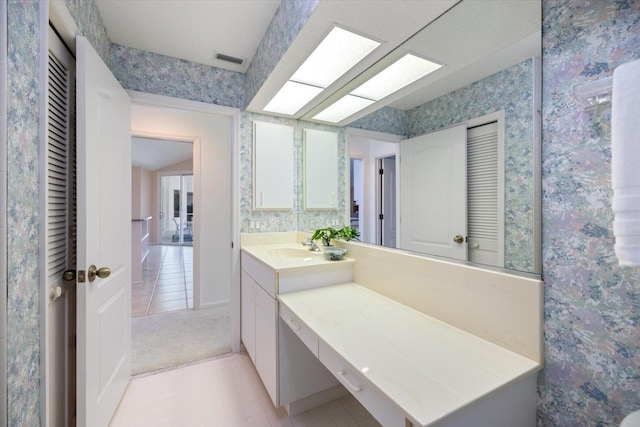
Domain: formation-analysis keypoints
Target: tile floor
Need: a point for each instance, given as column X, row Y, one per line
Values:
column 168, row 281
column 222, row 392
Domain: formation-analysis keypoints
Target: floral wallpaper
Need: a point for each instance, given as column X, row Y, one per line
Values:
column 87, row 17
column 163, row 75
column 23, row 96
column 387, row 119
column 592, row 306
column 285, row 25
column 3, row 210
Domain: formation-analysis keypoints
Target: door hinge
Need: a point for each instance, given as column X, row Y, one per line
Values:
column 231, row 245
column 381, row 216
column 381, row 171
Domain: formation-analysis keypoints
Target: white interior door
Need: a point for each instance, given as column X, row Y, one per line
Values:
column 104, row 239
column 433, row 193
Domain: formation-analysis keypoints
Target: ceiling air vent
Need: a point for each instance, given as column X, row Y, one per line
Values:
column 228, row 58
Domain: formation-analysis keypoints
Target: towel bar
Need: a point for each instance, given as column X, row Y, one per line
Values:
column 594, row 93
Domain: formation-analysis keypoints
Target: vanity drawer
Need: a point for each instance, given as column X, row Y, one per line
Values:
column 261, row 273
column 309, row 338
column 379, row 405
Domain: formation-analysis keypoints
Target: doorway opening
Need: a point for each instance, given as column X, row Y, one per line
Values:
column 166, row 330
column 356, row 193
column 163, row 198
column 188, row 319
column 387, row 201
column 366, row 148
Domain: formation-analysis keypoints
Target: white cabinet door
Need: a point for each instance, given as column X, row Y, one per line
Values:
column 320, row 169
column 266, row 341
column 248, row 314
column 272, row 166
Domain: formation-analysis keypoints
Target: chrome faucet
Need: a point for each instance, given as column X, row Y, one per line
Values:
column 311, row 245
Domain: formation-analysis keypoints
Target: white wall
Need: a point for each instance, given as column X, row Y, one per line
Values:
column 503, row 308
column 141, row 192
column 212, row 162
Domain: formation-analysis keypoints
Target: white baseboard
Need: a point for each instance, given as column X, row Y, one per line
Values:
column 214, row 304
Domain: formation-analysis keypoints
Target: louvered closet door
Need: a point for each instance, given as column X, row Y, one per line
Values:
column 60, row 235
column 60, row 158
column 483, row 227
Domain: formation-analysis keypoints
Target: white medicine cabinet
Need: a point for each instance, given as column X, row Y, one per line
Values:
column 273, row 166
column 320, row 169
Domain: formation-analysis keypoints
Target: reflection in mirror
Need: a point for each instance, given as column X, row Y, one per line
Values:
column 320, row 169
column 369, row 150
column 512, row 92
column 490, row 51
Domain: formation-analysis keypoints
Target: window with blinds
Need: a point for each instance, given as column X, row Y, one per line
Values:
column 60, row 195
column 483, row 193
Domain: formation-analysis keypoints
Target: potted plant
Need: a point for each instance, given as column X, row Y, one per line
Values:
column 325, row 234
column 348, row 233
column 328, row 234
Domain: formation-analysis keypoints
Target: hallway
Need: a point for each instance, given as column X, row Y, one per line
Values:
column 166, row 331
column 168, row 281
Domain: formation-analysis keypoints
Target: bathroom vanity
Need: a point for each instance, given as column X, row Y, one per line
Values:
column 417, row 341
column 286, row 369
column 404, row 365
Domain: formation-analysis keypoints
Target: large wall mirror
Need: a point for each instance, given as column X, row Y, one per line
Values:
column 494, row 82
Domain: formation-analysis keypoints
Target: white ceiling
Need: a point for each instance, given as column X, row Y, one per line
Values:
column 474, row 39
column 190, row 29
column 154, row 154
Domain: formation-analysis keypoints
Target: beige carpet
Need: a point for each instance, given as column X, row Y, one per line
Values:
column 178, row 337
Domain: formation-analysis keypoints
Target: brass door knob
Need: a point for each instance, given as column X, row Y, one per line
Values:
column 102, row 272
column 458, row 239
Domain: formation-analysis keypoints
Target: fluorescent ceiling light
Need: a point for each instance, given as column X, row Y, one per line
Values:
column 335, row 55
column 292, row 97
column 343, row 108
column 401, row 73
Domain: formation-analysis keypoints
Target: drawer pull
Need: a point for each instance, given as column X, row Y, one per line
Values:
column 293, row 325
column 354, row 388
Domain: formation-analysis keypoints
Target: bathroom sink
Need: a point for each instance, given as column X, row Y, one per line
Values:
column 291, row 253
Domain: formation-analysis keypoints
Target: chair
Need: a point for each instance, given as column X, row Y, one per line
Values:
column 187, row 233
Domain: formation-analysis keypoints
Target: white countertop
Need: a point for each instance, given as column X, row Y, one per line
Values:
column 426, row 367
column 283, row 256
